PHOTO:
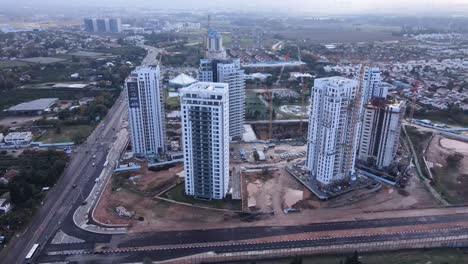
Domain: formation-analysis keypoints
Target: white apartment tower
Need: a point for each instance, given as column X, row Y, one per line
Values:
column 214, row 46
column 205, row 136
column 334, row 125
column 146, row 111
column 380, row 132
column 372, row 83
column 228, row 71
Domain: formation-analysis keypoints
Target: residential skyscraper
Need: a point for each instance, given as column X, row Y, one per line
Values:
column 146, row 111
column 205, row 136
column 102, row 25
column 235, row 42
column 380, row 132
column 258, row 38
column 228, row 71
column 373, row 84
column 214, row 46
column 115, row 25
column 334, row 125
column 90, row 25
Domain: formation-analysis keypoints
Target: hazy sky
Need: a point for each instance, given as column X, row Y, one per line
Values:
column 319, row 6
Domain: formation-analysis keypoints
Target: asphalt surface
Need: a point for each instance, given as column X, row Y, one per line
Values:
column 134, row 255
column 62, row 199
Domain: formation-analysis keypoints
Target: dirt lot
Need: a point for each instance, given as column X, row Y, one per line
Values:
column 13, row 121
column 266, row 193
column 274, row 191
column 451, row 177
column 135, row 195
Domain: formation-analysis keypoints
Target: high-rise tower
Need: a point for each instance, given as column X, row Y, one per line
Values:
column 334, row 124
column 205, row 130
column 146, row 111
column 226, row 71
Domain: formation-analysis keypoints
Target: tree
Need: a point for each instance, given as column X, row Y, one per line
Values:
column 78, row 138
column 58, row 128
column 21, row 191
column 256, row 156
column 354, row 259
column 147, row 260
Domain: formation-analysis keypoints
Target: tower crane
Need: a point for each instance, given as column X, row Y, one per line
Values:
column 414, row 90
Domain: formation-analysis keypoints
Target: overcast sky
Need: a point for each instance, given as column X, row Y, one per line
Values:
column 318, row 6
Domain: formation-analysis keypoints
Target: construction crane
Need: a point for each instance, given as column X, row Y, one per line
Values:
column 269, row 96
column 303, row 87
column 355, row 111
column 414, row 96
column 286, row 58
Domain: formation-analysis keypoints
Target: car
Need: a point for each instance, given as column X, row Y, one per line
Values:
column 94, row 164
column 84, row 202
column 74, row 186
column 94, row 156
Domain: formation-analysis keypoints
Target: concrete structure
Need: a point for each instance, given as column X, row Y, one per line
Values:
column 35, row 107
column 380, row 132
column 333, row 135
column 373, row 84
column 205, row 136
column 228, row 71
column 146, row 111
column 214, row 46
column 18, row 138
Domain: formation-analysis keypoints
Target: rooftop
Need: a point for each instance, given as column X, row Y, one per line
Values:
column 35, row 105
column 182, row 80
column 206, row 86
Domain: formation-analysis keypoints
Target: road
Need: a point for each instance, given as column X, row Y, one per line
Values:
column 174, row 244
column 62, row 198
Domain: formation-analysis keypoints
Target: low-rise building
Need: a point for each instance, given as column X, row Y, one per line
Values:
column 35, row 107
column 18, row 138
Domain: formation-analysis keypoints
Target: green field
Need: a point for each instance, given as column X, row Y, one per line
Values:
column 433, row 256
column 65, row 135
column 177, row 194
column 172, row 103
column 12, row 64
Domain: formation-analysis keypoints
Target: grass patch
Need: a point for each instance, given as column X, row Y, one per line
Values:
column 172, row 103
column 12, row 64
column 449, row 182
column 254, row 108
column 177, row 194
column 419, row 140
column 66, row 134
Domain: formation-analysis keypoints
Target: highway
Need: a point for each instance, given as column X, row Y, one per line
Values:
column 171, row 252
column 62, row 198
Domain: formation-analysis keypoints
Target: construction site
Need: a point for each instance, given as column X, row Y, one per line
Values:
column 268, row 183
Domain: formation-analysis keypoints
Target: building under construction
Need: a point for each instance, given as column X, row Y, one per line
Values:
column 334, row 123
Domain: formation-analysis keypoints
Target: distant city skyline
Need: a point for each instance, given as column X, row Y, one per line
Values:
column 311, row 6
